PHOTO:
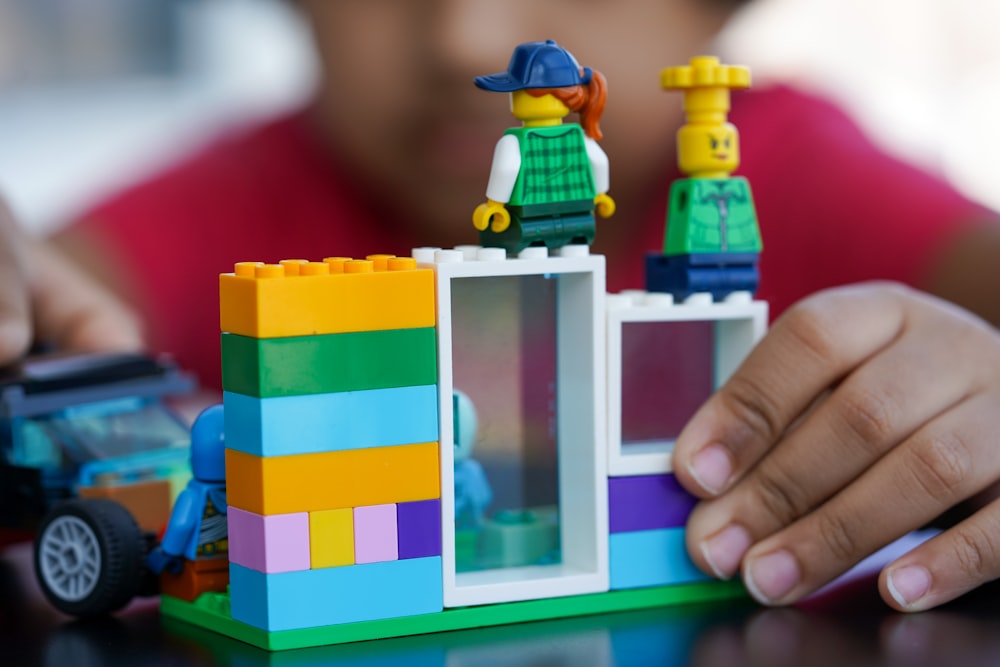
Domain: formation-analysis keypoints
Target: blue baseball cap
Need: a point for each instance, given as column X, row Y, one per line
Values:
column 536, row 65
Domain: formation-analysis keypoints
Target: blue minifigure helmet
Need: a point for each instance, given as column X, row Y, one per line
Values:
column 208, row 446
column 537, row 65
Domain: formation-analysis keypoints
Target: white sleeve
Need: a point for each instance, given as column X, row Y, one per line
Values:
column 506, row 167
column 599, row 165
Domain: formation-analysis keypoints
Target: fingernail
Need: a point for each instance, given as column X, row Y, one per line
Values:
column 725, row 550
column 711, row 468
column 770, row 578
column 908, row 584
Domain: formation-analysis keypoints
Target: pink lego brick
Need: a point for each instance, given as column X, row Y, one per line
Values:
column 375, row 538
column 270, row 544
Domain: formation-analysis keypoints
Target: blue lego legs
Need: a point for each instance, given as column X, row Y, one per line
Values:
column 716, row 273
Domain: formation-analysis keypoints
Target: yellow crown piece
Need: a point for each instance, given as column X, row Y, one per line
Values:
column 705, row 72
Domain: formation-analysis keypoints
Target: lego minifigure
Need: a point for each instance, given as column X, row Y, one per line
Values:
column 472, row 489
column 193, row 556
column 712, row 240
column 547, row 177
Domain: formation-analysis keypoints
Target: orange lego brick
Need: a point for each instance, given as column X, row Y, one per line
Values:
column 332, row 480
column 206, row 575
column 337, row 295
column 149, row 501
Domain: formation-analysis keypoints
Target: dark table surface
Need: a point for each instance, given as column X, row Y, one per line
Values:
column 847, row 625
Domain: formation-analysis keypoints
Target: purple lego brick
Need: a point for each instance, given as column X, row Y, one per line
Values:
column 419, row 528
column 275, row 543
column 647, row 502
column 375, row 534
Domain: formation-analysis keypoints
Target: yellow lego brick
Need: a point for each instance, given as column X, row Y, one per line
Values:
column 331, row 538
column 337, row 295
column 332, row 480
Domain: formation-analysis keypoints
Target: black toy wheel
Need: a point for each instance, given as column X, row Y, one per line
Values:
column 89, row 557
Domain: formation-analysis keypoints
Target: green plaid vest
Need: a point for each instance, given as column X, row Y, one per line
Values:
column 554, row 166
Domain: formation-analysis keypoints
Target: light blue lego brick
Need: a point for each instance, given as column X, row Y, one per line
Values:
column 335, row 595
column 651, row 558
column 331, row 422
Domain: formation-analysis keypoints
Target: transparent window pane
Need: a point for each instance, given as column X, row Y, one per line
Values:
column 667, row 373
column 504, row 359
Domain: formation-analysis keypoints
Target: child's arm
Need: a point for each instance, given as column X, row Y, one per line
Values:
column 865, row 413
column 45, row 298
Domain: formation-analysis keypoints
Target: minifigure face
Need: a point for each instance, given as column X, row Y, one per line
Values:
column 708, row 150
column 397, row 100
column 528, row 107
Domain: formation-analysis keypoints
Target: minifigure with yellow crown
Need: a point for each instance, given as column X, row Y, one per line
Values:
column 712, row 241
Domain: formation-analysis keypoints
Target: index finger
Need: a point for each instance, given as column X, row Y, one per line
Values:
column 810, row 348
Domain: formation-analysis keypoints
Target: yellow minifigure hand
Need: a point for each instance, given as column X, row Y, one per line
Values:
column 491, row 210
column 605, row 205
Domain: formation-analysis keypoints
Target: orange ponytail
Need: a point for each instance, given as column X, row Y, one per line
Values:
column 588, row 102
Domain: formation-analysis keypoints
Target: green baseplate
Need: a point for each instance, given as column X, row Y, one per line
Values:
column 211, row 611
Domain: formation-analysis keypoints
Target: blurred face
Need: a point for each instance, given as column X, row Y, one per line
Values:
column 397, row 95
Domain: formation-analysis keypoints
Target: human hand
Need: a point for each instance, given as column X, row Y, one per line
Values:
column 491, row 210
column 604, row 205
column 44, row 297
column 865, row 413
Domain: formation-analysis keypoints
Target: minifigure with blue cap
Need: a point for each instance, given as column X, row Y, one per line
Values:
column 548, row 177
column 194, row 555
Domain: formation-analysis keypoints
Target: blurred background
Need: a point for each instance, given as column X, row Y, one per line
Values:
column 96, row 93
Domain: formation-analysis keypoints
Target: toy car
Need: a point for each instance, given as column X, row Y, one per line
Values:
column 90, row 459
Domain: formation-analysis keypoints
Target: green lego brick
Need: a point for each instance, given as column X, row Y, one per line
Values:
column 330, row 363
column 211, row 611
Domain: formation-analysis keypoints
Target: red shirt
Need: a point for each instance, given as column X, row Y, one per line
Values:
column 832, row 208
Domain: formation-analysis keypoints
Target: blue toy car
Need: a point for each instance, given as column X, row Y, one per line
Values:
column 90, row 460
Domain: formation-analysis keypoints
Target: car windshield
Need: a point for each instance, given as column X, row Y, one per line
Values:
column 113, row 429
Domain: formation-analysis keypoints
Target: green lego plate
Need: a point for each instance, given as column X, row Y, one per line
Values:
column 211, row 611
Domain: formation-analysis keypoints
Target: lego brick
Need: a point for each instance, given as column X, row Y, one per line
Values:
column 647, row 502
column 268, row 367
column 419, row 526
column 292, row 600
column 331, row 538
column 519, row 539
column 738, row 323
column 375, row 538
column 303, row 299
column 196, row 577
column 212, row 612
column 147, row 501
column 276, row 543
column 332, row 480
column 288, row 425
column 581, row 409
column 651, row 558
